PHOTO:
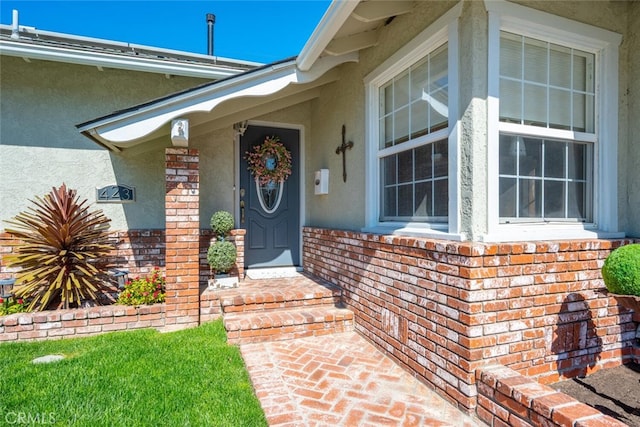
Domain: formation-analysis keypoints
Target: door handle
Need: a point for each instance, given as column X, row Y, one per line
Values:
column 242, row 211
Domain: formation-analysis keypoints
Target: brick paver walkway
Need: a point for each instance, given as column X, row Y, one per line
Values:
column 341, row 380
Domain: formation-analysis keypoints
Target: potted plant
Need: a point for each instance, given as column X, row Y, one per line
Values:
column 621, row 275
column 222, row 253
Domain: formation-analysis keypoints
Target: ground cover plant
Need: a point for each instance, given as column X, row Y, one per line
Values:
column 144, row 290
column 136, row 378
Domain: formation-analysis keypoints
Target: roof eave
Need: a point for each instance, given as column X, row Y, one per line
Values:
column 333, row 19
column 168, row 67
column 129, row 128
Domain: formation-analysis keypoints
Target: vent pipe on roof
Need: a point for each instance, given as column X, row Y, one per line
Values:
column 211, row 19
column 15, row 30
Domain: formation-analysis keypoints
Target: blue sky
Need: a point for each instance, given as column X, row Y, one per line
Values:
column 262, row 31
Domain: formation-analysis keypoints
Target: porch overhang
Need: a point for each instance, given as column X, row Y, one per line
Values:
column 280, row 83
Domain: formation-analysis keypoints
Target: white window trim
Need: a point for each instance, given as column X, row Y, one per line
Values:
column 444, row 29
column 544, row 26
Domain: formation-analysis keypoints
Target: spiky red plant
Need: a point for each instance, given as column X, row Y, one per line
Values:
column 61, row 250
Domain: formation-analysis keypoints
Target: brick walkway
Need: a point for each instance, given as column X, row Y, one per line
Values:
column 341, row 380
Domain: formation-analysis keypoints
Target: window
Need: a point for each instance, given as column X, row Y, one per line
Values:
column 546, row 85
column 413, row 107
column 552, row 128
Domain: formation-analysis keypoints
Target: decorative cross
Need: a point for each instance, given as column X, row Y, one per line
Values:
column 342, row 149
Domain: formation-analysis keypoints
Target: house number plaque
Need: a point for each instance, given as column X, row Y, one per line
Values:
column 116, row 194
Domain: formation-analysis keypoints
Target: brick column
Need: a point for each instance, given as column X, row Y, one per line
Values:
column 237, row 237
column 182, row 203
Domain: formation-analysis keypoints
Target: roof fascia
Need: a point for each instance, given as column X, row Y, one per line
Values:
column 97, row 59
column 331, row 22
column 132, row 127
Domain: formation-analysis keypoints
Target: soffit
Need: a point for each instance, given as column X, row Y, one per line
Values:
column 350, row 26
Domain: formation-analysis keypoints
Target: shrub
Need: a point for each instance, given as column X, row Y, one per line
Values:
column 12, row 305
column 221, row 256
column 62, row 250
column 621, row 270
column 221, row 223
column 143, row 290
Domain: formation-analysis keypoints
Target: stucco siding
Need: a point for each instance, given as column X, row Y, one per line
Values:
column 344, row 103
column 40, row 147
column 217, row 167
column 630, row 141
column 340, row 104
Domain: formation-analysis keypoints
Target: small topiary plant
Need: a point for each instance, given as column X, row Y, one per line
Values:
column 221, row 256
column 221, row 223
column 621, row 270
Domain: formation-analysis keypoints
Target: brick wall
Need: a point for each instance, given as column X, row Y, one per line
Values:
column 506, row 398
column 75, row 323
column 443, row 309
column 79, row 322
column 139, row 251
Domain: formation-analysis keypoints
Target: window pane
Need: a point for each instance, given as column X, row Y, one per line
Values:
column 583, row 74
column 576, row 200
column 389, row 202
column 438, row 73
column 405, row 166
column 554, row 199
column 401, row 91
column 577, row 159
column 441, row 159
column 389, row 170
column 508, row 154
column 535, row 107
column 530, row 151
column 438, row 109
column 559, row 109
column 386, row 98
column 423, row 199
column 535, row 60
column 583, row 113
column 441, row 196
column 560, row 66
column 508, row 197
column 510, row 101
column 419, row 79
column 405, row 200
column 530, row 205
column 423, row 162
column 511, row 55
column 554, row 159
column 419, row 119
column 401, row 126
column 386, row 131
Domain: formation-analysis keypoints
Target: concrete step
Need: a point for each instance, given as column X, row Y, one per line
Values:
column 285, row 324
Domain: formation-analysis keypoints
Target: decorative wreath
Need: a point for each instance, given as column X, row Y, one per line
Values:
column 270, row 161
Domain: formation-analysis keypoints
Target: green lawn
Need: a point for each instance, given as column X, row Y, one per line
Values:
column 138, row 378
